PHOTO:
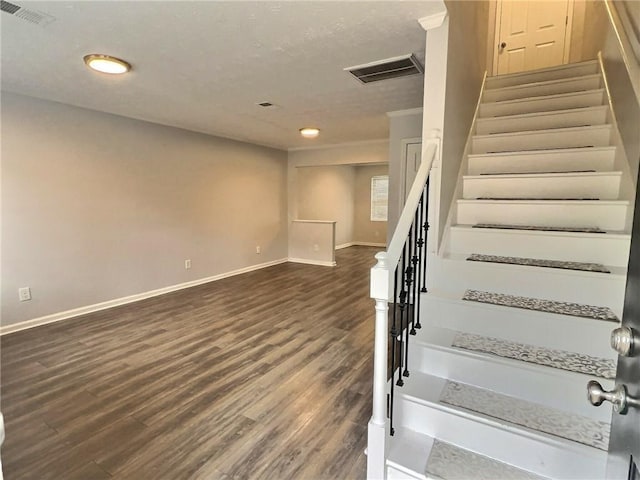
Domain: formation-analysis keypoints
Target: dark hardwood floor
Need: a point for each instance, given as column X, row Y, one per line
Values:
column 265, row 375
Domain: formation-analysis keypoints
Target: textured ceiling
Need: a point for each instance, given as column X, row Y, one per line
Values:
column 203, row 66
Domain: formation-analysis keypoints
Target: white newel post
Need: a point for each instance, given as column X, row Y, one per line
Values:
column 378, row 425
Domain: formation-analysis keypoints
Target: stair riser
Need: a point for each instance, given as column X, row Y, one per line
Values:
column 527, row 91
column 608, row 250
column 602, row 187
column 552, row 214
column 542, row 76
column 511, row 378
column 598, row 159
column 533, row 453
column 559, row 332
column 571, row 118
column 605, row 290
column 513, row 142
column 578, row 100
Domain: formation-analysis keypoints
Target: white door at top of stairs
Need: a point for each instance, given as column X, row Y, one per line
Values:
column 531, row 34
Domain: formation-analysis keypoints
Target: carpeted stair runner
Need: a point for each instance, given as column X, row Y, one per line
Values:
column 541, row 228
column 561, row 359
column 534, row 262
column 541, row 305
column 527, row 414
column 449, row 462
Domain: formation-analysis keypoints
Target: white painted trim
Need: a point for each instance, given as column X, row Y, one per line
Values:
column 432, row 21
column 312, row 262
column 360, row 244
column 370, row 244
column 339, row 145
column 568, row 28
column 313, row 221
column 496, row 37
column 75, row 312
column 403, row 113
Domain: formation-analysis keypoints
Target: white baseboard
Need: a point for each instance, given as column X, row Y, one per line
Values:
column 370, row 244
column 56, row 317
column 312, row 262
column 360, row 244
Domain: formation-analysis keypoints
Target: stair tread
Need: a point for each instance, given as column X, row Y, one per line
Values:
column 493, row 136
column 548, row 357
column 409, row 451
column 544, row 97
column 535, row 262
column 517, row 116
column 448, row 461
column 536, row 228
column 532, row 173
column 547, row 201
column 549, row 306
column 566, row 66
column 546, row 82
column 547, row 150
column 527, row 414
column 583, row 173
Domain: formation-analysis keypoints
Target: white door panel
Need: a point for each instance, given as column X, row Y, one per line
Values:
column 532, row 35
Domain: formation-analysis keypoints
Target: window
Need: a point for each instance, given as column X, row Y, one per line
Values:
column 379, row 198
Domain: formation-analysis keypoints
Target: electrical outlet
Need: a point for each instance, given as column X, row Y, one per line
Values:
column 187, row 264
column 258, row 249
column 24, row 294
column 316, row 247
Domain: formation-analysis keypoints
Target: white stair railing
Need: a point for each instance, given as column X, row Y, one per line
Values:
column 397, row 279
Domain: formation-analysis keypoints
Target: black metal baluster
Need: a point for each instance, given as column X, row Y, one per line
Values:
column 408, row 281
column 416, row 276
column 394, row 336
column 403, row 308
column 421, row 253
column 426, row 231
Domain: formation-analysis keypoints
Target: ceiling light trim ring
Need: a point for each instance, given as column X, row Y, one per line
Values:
column 106, row 64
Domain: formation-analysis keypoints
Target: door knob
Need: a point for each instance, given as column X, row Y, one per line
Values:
column 503, row 45
column 618, row 396
column 623, row 340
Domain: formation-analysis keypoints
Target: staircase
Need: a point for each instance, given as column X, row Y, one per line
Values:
column 522, row 302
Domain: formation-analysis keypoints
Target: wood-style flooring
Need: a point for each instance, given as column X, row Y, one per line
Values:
column 265, row 375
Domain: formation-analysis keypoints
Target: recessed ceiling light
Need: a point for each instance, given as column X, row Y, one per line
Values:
column 106, row 64
column 309, row 132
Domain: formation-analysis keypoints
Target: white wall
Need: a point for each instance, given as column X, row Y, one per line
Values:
column 97, row 207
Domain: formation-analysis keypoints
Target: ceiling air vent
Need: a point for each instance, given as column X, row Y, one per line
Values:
column 389, row 68
column 9, row 7
column 31, row 16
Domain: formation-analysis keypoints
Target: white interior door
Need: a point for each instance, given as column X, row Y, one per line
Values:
column 532, row 34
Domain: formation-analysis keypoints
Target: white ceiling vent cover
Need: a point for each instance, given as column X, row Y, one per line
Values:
column 32, row 16
column 395, row 67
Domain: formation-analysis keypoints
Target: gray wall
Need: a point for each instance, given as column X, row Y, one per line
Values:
column 364, row 230
column 327, row 193
column 401, row 127
column 97, row 207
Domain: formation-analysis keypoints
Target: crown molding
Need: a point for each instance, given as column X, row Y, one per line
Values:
column 432, row 21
